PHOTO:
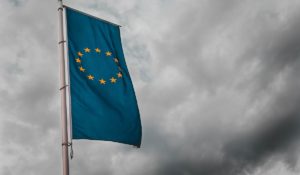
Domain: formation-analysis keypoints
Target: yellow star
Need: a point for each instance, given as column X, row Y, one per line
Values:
column 87, row 50
column 97, row 50
column 78, row 60
column 90, row 77
column 81, row 69
column 102, row 81
column 80, row 54
column 108, row 53
column 116, row 60
column 113, row 80
column 119, row 75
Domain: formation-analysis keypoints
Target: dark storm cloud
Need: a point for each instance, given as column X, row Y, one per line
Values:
column 270, row 137
column 277, row 135
column 253, row 149
column 277, row 130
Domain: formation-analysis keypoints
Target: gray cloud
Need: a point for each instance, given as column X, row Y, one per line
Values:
column 217, row 85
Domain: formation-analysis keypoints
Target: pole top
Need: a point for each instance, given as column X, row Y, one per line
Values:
column 60, row 3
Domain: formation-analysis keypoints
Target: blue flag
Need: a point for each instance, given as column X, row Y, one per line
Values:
column 103, row 102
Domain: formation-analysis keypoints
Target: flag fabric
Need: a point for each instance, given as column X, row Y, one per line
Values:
column 103, row 101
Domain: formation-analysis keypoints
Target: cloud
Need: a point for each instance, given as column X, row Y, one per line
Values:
column 217, row 85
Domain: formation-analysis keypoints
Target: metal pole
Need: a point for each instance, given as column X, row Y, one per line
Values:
column 64, row 125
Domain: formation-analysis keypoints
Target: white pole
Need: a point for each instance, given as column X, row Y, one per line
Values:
column 64, row 125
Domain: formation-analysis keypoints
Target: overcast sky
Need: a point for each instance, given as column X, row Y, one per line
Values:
column 217, row 83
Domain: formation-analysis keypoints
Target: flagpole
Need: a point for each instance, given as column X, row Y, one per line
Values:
column 64, row 125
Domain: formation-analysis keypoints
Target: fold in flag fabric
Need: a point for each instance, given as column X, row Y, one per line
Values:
column 103, row 102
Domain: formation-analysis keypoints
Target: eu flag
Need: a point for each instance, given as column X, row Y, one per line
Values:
column 103, row 102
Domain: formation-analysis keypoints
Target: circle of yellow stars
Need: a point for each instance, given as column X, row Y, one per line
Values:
column 102, row 81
